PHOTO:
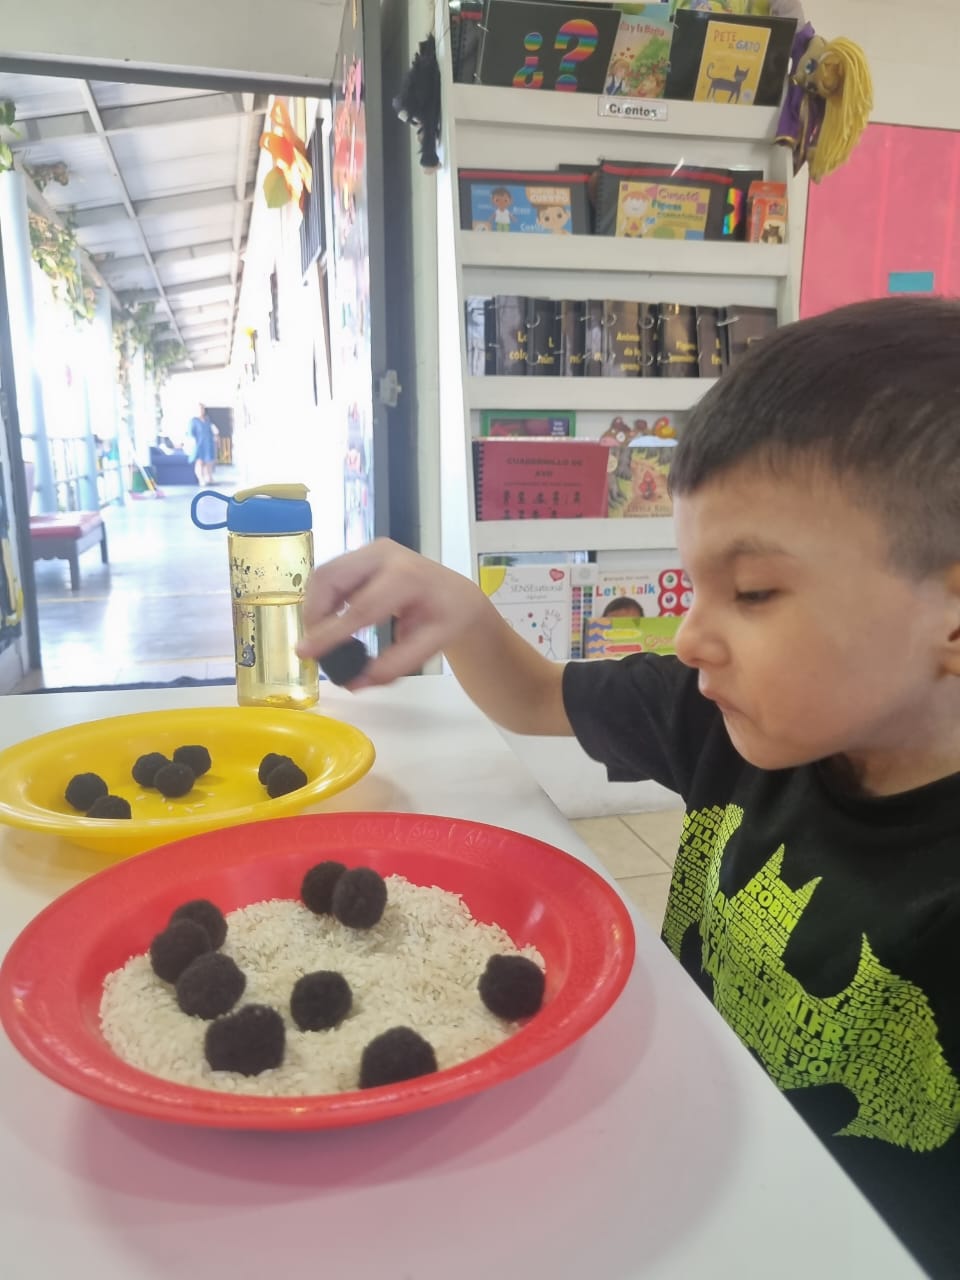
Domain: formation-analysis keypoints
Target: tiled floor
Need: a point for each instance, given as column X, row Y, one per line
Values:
column 638, row 850
column 161, row 609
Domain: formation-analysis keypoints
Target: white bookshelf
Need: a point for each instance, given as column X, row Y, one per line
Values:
column 608, row 395
column 486, row 127
column 506, row 537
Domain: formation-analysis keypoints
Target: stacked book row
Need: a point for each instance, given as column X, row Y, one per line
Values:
column 511, row 336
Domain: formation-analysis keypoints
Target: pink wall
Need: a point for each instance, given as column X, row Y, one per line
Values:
column 886, row 221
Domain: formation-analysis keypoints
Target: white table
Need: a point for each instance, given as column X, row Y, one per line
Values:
column 654, row 1148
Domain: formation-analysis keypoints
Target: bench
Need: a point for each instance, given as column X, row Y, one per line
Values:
column 64, row 536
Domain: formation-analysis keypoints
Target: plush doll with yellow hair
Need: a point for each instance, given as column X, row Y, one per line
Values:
column 828, row 103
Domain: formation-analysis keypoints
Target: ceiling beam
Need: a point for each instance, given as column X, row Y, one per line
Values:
column 91, row 105
column 169, row 257
column 183, row 202
column 145, row 115
column 171, row 292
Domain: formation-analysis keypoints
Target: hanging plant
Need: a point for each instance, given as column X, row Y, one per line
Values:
column 8, row 113
column 291, row 177
column 134, row 330
column 54, row 251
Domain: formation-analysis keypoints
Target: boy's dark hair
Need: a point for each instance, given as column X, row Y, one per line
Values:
column 869, row 394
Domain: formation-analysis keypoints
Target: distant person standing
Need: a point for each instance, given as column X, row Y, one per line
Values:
column 204, row 450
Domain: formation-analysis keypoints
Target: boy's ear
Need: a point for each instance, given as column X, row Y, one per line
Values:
column 952, row 646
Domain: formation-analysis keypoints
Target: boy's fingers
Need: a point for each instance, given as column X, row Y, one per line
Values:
column 332, row 584
column 402, row 658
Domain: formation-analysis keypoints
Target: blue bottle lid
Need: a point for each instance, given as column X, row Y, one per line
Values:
column 270, row 508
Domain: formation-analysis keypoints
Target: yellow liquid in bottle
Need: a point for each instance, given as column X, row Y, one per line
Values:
column 267, row 578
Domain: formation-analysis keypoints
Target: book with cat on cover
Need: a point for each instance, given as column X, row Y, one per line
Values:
column 621, row 339
column 641, row 53
column 572, row 338
column 536, row 602
column 710, row 349
column 510, row 335
column 543, row 337
column 732, row 59
column 744, row 326
column 547, row 479
column 677, row 350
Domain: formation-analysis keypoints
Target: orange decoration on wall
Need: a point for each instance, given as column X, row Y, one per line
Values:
column 291, row 177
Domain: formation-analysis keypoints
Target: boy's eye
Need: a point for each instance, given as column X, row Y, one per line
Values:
column 755, row 597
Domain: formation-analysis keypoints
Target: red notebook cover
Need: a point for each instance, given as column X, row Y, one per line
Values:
column 540, row 479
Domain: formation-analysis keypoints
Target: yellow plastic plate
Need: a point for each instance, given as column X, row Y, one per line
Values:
column 35, row 773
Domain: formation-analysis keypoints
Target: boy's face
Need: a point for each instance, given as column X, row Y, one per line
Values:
column 810, row 643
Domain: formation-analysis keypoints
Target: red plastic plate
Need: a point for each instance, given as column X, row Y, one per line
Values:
column 52, row 978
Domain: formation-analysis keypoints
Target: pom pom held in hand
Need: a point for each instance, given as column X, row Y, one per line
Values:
column 318, row 885
column 248, row 1041
column 210, row 985
column 172, row 950
column 359, row 898
column 320, row 1000
column 345, row 662
column 397, row 1054
column 83, row 789
column 512, row 987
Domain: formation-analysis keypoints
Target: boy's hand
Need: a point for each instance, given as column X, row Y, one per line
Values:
column 432, row 606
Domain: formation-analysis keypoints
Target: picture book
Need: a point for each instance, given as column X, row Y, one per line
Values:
column 672, row 202
column 621, row 339
column 505, row 423
column 543, row 479
column 641, row 53
column 742, row 327
column 532, row 45
column 618, row 637
column 731, row 59
column 710, row 349
column 651, row 587
column 536, row 602
column 638, row 478
column 767, row 213
column 543, row 337
column 572, row 338
column 731, row 63
column 531, row 203
column 509, row 335
column 480, row 336
column 677, row 345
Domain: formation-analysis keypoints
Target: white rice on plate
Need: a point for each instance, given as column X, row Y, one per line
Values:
column 418, row 967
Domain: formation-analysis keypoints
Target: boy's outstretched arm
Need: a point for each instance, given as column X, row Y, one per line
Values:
column 435, row 610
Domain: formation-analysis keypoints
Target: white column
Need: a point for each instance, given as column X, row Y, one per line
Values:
column 17, row 261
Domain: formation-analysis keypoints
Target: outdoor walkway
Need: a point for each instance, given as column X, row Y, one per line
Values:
column 159, row 610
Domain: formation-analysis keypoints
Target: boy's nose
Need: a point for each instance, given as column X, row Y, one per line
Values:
column 697, row 644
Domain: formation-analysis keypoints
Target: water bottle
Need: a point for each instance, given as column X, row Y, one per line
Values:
column 270, row 550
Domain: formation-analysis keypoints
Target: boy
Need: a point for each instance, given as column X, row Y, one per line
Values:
column 811, row 722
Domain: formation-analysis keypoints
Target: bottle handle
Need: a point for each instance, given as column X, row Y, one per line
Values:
column 202, row 496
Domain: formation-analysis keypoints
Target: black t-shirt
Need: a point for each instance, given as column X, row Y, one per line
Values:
column 824, row 926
